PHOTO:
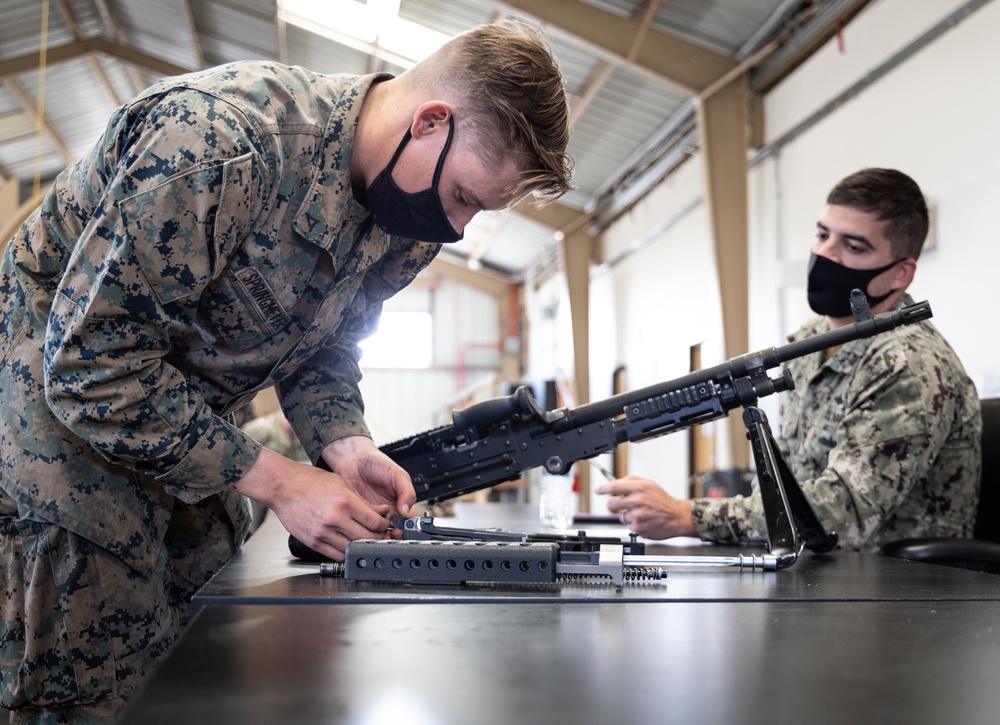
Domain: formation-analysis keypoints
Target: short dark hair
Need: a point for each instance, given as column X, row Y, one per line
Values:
column 892, row 197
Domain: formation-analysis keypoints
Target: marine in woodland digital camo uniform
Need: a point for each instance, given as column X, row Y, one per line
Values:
column 211, row 247
column 888, row 423
column 220, row 251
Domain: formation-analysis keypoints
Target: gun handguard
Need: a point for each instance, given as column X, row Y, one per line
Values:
column 496, row 440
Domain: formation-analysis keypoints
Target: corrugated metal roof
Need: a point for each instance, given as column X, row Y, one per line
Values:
column 319, row 54
column 70, row 105
column 446, row 16
column 629, row 110
column 160, row 28
column 625, row 105
column 241, row 31
column 520, row 241
column 20, row 31
column 723, row 25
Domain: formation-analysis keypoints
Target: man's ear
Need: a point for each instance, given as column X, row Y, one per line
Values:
column 430, row 116
column 903, row 273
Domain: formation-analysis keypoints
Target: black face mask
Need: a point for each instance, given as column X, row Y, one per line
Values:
column 419, row 215
column 830, row 286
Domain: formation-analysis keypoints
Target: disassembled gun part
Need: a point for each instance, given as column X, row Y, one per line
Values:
column 460, row 562
column 508, row 557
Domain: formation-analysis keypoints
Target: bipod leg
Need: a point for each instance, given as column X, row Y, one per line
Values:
column 787, row 511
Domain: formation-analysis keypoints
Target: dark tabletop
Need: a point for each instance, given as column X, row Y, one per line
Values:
column 838, row 638
column 708, row 662
column 265, row 572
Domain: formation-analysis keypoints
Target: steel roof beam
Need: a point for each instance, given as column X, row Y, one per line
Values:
column 81, row 49
column 684, row 64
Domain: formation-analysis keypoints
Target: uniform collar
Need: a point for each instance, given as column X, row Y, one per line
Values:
column 330, row 217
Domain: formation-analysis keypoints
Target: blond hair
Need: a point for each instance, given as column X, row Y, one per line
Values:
column 508, row 94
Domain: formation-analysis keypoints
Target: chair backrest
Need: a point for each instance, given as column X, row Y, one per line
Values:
column 988, row 513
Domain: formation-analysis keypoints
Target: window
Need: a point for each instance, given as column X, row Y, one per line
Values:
column 403, row 340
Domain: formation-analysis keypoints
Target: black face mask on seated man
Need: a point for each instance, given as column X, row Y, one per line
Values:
column 830, row 285
column 418, row 215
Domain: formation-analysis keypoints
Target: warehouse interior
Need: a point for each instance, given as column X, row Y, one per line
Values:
column 684, row 113
column 705, row 136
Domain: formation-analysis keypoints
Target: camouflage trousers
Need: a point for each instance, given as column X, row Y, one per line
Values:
column 81, row 629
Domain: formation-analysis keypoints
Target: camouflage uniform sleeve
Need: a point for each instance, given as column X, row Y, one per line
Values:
column 321, row 400
column 132, row 285
column 732, row 520
column 729, row 520
column 886, row 440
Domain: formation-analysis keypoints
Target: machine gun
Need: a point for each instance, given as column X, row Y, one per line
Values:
column 496, row 440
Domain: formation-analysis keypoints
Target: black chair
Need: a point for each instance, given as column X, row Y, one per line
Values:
column 982, row 552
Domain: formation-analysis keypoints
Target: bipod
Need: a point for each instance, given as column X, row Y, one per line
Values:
column 791, row 521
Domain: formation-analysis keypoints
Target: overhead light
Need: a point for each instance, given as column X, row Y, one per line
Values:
column 372, row 27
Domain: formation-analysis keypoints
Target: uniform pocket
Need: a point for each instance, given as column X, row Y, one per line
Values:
column 36, row 658
column 13, row 609
column 79, row 625
column 183, row 230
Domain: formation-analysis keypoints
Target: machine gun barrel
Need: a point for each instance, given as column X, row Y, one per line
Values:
column 496, row 440
column 753, row 365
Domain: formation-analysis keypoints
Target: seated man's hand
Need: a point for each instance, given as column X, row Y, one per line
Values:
column 647, row 509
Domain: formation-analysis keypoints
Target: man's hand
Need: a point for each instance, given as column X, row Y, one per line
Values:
column 370, row 473
column 647, row 509
column 326, row 511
